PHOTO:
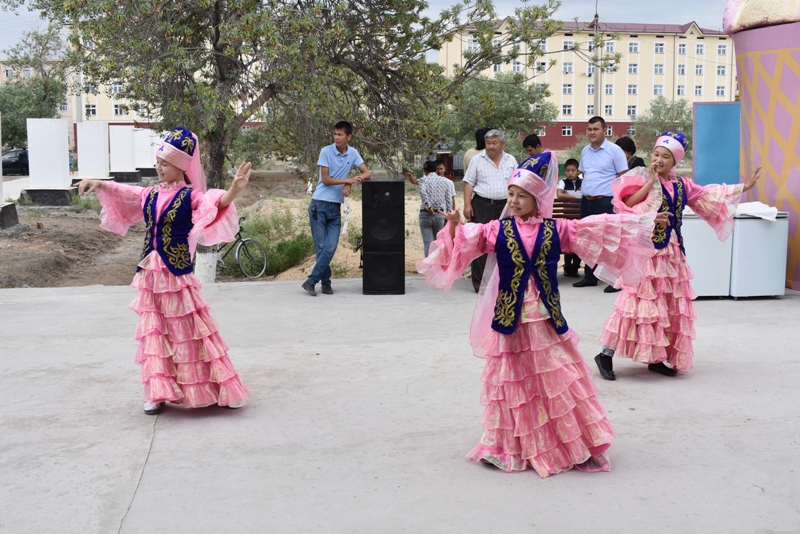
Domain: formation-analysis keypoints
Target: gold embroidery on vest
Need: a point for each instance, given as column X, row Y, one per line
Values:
column 507, row 300
column 552, row 298
column 178, row 255
column 660, row 234
column 679, row 211
column 149, row 218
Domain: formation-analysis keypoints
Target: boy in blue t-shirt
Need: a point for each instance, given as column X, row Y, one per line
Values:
column 324, row 212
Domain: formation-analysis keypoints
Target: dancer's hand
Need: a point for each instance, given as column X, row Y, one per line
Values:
column 241, row 178
column 87, row 186
column 751, row 183
column 453, row 217
column 662, row 219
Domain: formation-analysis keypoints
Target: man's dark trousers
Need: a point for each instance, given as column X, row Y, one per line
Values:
column 484, row 211
column 594, row 206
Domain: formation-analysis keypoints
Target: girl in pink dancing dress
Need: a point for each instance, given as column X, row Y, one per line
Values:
column 184, row 360
column 653, row 321
column 541, row 405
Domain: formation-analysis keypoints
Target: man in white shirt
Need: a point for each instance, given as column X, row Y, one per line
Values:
column 486, row 188
column 601, row 162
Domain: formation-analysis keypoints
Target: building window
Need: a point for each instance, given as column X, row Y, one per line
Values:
column 496, row 42
column 609, row 130
column 632, row 111
column 699, row 49
column 611, row 47
column 116, row 87
column 682, row 49
column 472, row 44
column 633, row 89
column 516, row 66
column 658, row 90
column 118, row 110
column 590, row 46
column 91, row 110
column 659, row 48
column 609, row 89
column 698, row 90
column 567, row 68
column 566, row 109
column 541, row 66
column 590, row 110
column 722, row 70
column 90, row 89
column 633, row 47
column 658, row 68
column 541, row 131
column 590, row 89
column 609, row 70
column 681, row 70
column 64, row 106
column 633, row 68
column 542, row 46
column 722, row 50
column 497, row 67
column 590, row 70
column 698, row 70
column 681, row 90
column 9, row 73
column 566, row 131
column 540, row 87
column 720, row 90
column 26, row 73
column 630, row 130
column 608, row 110
column 566, row 89
column 568, row 45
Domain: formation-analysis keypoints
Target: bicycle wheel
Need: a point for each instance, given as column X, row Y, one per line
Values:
column 251, row 257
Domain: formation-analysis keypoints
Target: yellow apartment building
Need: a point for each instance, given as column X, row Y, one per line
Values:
column 658, row 60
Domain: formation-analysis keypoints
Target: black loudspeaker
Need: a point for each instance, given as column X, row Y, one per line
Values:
column 384, row 233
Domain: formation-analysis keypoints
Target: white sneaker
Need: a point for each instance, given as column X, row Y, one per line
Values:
column 152, row 408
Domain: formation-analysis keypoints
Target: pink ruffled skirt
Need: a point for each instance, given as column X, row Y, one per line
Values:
column 184, row 360
column 654, row 321
column 541, row 404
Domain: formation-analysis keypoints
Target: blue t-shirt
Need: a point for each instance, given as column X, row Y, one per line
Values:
column 600, row 167
column 339, row 166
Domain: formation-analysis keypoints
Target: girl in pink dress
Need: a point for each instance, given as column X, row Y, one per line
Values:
column 653, row 321
column 541, row 405
column 183, row 358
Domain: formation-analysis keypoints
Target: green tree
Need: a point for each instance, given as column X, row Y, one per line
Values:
column 212, row 65
column 664, row 115
column 505, row 103
column 38, row 95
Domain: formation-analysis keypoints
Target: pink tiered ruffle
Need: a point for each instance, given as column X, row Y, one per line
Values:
column 183, row 358
column 541, row 404
column 654, row 321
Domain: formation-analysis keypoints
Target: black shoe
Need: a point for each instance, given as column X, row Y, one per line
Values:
column 611, row 289
column 662, row 369
column 585, row 283
column 572, row 274
column 606, row 366
column 309, row 287
column 327, row 289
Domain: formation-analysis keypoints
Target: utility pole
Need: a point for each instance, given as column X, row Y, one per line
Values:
column 599, row 55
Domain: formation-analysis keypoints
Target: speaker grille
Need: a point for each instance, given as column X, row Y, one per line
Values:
column 384, row 273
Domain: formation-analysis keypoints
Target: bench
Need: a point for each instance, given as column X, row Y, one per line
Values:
column 567, row 208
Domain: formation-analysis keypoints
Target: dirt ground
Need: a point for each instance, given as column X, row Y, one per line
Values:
column 60, row 247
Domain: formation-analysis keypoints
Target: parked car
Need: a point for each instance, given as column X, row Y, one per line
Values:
column 15, row 161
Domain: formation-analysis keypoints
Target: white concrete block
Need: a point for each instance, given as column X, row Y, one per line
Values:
column 146, row 142
column 121, row 141
column 93, row 155
column 48, row 153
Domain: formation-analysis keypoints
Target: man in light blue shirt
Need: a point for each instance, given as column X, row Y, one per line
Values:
column 601, row 162
column 324, row 212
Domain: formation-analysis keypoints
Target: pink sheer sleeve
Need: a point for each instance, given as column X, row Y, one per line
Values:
column 122, row 206
column 715, row 204
column 618, row 245
column 211, row 224
column 448, row 258
column 628, row 184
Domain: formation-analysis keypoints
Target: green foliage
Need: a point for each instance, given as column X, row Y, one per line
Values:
column 289, row 253
column 80, row 204
column 249, row 145
column 354, row 235
column 664, row 115
column 272, row 228
column 338, row 270
column 575, row 150
column 505, row 103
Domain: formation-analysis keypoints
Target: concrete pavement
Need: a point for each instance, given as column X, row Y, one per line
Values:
column 362, row 410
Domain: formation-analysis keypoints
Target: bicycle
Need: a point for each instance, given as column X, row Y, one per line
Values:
column 251, row 256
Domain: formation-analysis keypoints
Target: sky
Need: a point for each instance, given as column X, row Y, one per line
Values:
column 707, row 13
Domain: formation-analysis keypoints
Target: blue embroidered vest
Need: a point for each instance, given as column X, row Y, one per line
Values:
column 171, row 231
column 674, row 206
column 514, row 267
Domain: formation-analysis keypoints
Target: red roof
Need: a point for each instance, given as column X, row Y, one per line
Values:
column 627, row 27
